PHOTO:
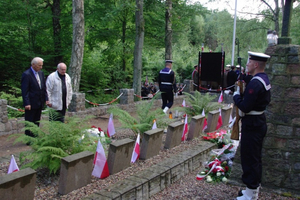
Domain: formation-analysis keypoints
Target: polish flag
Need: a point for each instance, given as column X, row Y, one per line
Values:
column 100, row 163
column 185, row 129
column 13, row 167
column 110, row 128
column 220, row 100
column 136, row 150
column 183, row 103
column 220, row 122
column 205, row 120
column 154, row 125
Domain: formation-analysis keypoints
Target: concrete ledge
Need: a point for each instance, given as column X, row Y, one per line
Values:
column 75, row 171
column 148, row 182
column 174, row 133
column 212, row 120
column 18, row 185
column 195, row 127
column 119, row 155
column 151, row 143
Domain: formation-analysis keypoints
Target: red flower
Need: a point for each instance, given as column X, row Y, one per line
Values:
column 226, row 168
column 93, row 127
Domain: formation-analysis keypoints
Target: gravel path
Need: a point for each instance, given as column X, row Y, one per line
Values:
column 186, row 188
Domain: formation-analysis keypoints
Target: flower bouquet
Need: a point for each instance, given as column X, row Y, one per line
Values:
column 96, row 132
column 218, row 168
column 221, row 137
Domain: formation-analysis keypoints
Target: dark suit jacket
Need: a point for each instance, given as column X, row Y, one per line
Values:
column 31, row 92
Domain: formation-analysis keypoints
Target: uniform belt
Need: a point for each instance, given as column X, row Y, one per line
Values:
column 253, row 112
column 166, row 83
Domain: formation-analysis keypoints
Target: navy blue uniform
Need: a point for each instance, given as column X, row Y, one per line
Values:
column 167, row 84
column 254, row 128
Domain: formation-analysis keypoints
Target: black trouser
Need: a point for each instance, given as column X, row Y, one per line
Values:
column 33, row 115
column 167, row 99
column 254, row 129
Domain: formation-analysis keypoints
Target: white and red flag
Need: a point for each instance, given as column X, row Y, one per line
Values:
column 220, row 122
column 146, row 81
column 100, row 163
column 185, row 129
column 136, row 150
column 220, row 100
column 13, row 167
column 111, row 128
column 154, row 125
column 230, row 118
column 183, row 103
column 205, row 120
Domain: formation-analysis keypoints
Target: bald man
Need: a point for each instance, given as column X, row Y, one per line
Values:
column 59, row 89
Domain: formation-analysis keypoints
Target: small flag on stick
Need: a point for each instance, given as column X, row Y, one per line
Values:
column 136, row 150
column 220, row 122
column 220, row 100
column 183, row 103
column 154, row 125
column 100, row 163
column 205, row 121
column 13, row 167
column 185, row 129
column 110, row 128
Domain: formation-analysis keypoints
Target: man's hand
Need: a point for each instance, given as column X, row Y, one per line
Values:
column 48, row 104
column 28, row 107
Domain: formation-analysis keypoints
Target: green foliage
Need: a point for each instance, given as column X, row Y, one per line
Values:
column 197, row 102
column 145, row 117
column 55, row 140
column 13, row 99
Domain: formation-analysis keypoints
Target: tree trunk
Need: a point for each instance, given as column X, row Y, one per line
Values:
column 138, row 49
column 55, row 8
column 77, row 43
column 168, row 31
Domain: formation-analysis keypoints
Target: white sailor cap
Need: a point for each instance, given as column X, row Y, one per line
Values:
column 258, row 56
column 169, row 61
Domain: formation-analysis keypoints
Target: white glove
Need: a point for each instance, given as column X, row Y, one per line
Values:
column 237, row 92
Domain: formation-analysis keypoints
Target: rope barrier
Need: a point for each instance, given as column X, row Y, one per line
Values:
column 18, row 109
column 147, row 96
column 96, row 104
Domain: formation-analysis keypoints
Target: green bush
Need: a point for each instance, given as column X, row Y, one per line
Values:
column 197, row 102
column 14, row 99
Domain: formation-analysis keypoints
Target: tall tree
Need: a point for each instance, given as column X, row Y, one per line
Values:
column 55, row 8
column 77, row 44
column 138, row 49
column 168, row 31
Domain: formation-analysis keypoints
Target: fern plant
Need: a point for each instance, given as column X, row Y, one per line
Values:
column 145, row 117
column 197, row 102
column 55, row 140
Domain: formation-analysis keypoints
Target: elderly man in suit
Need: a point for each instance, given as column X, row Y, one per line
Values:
column 34, row 92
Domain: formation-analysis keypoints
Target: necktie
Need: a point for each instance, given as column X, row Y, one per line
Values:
column 38, row 79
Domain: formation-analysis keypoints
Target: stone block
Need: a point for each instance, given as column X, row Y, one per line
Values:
column 151, row 143
column 18, row 185
column 195, row 128
column 75, row 171
column 164, row 172
column 212, row 121
column 226, row 112
column 174, row 133
column 119, row 155
column 154, row 180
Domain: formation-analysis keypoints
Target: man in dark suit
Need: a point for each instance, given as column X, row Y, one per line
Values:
column 34, row 92
column 231, row 79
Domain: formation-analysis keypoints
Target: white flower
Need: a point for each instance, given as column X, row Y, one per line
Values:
column 218, row 173
column 224, row 179
column 202, row 173
column 208, row 179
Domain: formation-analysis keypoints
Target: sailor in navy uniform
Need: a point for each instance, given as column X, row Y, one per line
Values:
column 252, row 104
column 167, row 85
